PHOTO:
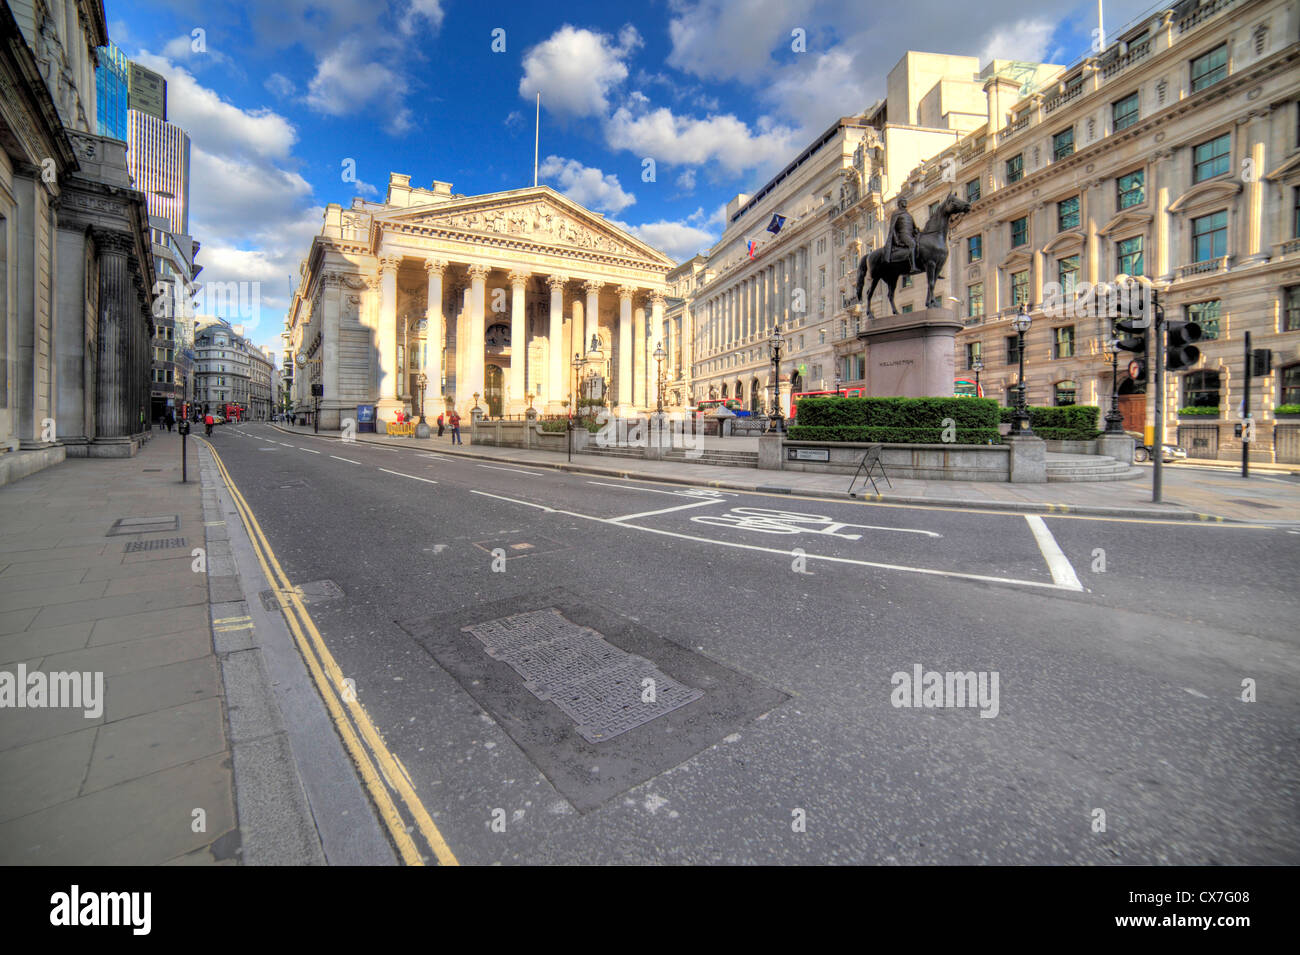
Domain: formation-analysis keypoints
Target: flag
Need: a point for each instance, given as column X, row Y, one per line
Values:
column 751, row 246
column 774, row 226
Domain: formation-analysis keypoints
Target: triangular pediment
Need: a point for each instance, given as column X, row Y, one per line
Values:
column 536, row 215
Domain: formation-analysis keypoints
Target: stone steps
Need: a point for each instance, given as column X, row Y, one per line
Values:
column 1096, row 468
column 733, row 459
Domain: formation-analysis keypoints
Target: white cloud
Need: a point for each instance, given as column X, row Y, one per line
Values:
column 222, row 127
column 585, row 185
column 280, row 85
column 686, row 180
column 718, row 39
column 678, row 240
column 575, row 69
column 685, row 140
column 349, row 80
column 366, row 189
column 1026, row 39
column 430, row 11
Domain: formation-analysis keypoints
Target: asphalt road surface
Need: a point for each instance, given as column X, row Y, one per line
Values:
column 760, row 646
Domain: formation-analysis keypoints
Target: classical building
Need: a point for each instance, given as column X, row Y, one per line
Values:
column 1173, row 154
column 825, row 200
column 74, row 250
column 677, row 334
column 173, row 325
column 485, row 298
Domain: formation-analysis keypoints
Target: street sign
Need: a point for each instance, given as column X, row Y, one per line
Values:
column 808, row 454
column 1134, row 369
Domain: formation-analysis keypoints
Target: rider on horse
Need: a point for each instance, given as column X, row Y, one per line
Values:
column 902, row 234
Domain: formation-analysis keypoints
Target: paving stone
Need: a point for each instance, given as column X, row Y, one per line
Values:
column 28, row 643
column 154, row 741
column 113, row 659
column 46, row 596
column 151, row 624
column 44, row 773
column 144, row 691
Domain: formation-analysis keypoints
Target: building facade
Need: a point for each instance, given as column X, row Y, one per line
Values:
column 75, row 256
column 489, row 298
column 159, row 156
column 112, row 87
column 1173, row 154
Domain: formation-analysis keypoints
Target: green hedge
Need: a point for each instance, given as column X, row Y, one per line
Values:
column 1287, row 409
column 897, row 412
column 1205, row 410
column 1066, row 423
column 801, row 432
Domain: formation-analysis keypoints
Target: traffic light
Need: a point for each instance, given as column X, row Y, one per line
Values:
column 1133, row 321
column 1180, row 353
column 1263, row 362
column 1135, row 330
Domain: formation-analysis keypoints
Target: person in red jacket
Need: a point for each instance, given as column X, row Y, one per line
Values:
column 208, row 422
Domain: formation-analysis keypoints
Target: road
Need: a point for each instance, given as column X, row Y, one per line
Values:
column 774, row 628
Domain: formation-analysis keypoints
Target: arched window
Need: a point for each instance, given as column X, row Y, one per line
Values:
column 1201, row 389
column 1064, row 392
column 724, row 390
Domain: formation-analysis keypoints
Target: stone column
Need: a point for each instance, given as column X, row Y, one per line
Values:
column 593, row 312
column 1255, row 244
column 656, row 321
column 116, row 308
column 517, row 401
column 625, row 345
column 389, row 402
column 474, row 344
column 555, row 348
column 436, row 336
column 641, row 387
column 330, row 407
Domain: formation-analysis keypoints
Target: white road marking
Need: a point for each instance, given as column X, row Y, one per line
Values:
column 266, row 449
column 284, row 445
column 1062, row 572
column 349, row 460
column 767, row 521
column 1188, row 689
column 309, row 450
column 411, row 476
column 685, row 492
column 666, row 510
column 516, row 470
column 785, row 553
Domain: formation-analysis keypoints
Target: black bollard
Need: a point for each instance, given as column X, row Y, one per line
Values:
column 185, row 433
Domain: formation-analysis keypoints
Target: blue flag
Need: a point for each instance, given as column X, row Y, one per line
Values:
column 774, row 226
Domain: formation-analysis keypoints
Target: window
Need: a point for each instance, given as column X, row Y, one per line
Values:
column 1020, row 288
column 1124, row 113
column 1295, row 213
column 1013, row 349
column 973, row 190
column 1211, row 159
column 974, row 351
column 1067, row 273
column 975, row 300
column 1129, row 256
column 1019, row 231
column 1067, row 214
column 906, row 308
column 1131, row 188
column 1015, row 168
column 821, row 273
column 1291, row 385
column 1209, row 68
column 821, row 336
column 975, row 248
column 1210, row 236
column 1201, row 389
column 1063, row 392
column 1205, row 314
column 1063, row 144
column 1291, row 309
column 907, row 281
column 1063, row 343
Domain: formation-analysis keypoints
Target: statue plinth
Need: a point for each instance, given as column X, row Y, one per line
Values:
column 910, row 355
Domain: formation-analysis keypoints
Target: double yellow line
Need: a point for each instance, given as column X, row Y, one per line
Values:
column 379, row 768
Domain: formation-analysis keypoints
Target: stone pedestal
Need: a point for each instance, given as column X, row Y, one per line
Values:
column 1028, row 459
column 1117, row 446
column 911, row 355
column 769, row 451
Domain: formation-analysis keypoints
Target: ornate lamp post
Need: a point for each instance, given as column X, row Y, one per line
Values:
column 838, row 383
column 1114, row 420
column 774, row 345
column 1020, row 423
column 977, row 366
column 659, row 378
column 423, row 382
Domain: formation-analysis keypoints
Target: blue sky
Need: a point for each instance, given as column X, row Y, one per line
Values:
column 278, row 96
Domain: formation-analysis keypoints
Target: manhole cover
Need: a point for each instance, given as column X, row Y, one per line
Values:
column 311, row 593
column 162, row 543
column 604, row 690
column 144, row 525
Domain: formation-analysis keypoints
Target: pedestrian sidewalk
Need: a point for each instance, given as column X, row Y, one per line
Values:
column 1189, row 494
column 147, row 779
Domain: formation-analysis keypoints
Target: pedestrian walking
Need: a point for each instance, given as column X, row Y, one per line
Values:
column 442, row 427
column 171, row 419
column 455, row 429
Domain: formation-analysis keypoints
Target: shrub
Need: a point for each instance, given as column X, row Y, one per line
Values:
column 559, row 424
column 1206, row 410
column 1287, row 409
column 888, row 435
column 1066, row 423
column 907, row 420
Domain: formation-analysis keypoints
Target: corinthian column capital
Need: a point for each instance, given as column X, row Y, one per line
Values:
column 519, row 277
column 389, row 263
column 434, row 267
column 556, row 282
column 590, row 287
column 477, row 271
column 625, row 292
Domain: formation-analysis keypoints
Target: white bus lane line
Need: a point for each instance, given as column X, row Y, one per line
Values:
column 665, row 510
column 349, row 460
column 767, row 521
column 413, row 477
column 309, row 450
column 684, row 492
column 1063, row 574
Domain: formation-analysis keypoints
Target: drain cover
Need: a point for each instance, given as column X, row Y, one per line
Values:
column 601, row 688
column 311, row 593
column 144, row 525
column 161, row 543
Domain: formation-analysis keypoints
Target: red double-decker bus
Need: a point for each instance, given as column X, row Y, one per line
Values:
column 842, row 393
column 234, row 412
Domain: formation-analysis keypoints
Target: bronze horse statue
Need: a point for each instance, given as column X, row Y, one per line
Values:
column 931, row 254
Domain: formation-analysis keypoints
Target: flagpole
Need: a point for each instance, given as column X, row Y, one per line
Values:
column 537, row 135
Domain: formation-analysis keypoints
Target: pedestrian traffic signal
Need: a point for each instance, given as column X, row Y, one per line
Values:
column 1180, row 353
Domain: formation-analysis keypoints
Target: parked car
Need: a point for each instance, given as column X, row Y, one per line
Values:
column 1143, row 452
column 218, row 419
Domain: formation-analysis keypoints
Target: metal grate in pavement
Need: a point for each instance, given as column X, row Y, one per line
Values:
column 601, row 688
column 161, row 543
column 144, row 525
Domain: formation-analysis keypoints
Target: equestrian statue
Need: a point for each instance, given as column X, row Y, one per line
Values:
column 907, row 253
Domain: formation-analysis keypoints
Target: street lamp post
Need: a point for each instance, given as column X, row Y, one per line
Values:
column 774, row 345
column 1114, row 420
column 838, row 383
column 1020, row 424
column 659, row 378
column 423, row 382
column 977, row 366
